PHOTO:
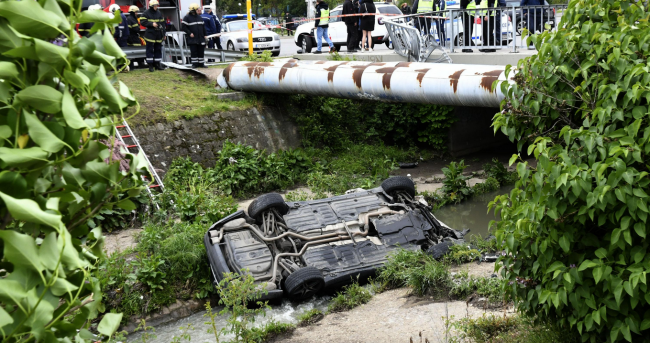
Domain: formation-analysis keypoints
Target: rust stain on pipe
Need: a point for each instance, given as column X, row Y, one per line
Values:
column 330, row 71
column 320, row 62
column 421, row 73
column 453, row 79
column 488, row 79
column 357, row 73
column 403, row 65
column 376, row 64
column 388, row 73
column 283, row 70
column 226, row 72
column 256, row 68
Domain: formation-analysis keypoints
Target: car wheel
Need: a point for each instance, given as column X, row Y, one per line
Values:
column 398, row 183
column 304, row 283
column 459, row 41
column 439, row 250
column 337, row 47
column 231, row 46
column 266, row 202
column 305, row 42
column 521, row 24
column 389, row 44
column 275, row 54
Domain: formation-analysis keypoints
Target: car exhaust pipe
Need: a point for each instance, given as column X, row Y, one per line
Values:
column 424, row 83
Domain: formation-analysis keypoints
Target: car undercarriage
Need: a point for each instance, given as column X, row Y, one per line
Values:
column 298, row 248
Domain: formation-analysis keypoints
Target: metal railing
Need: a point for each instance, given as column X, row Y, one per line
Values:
column 486, row 29
column 175, row 50
column 408, row 41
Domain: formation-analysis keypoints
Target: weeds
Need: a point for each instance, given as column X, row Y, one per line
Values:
column 455, row 183
column 335, row 56
column 352, row 296
column 417, row 270
column 148, row 332
column 212, row 325
column 185, row 335
column 265, row 56
column 492, row 289
column 508, row 329
column 498, row 171
column 486, row 245
column 235, row 293
column 462, row 253
column 310, row 317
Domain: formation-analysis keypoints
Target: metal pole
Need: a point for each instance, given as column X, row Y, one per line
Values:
column 249, row 18
column 451, row 34
column 514, row 29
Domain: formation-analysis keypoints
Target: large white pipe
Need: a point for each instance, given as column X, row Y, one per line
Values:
column 425, row 83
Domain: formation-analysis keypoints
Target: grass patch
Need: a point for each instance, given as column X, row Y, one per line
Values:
column 352, row 296
column 417, row 270
column 462, row 253
column 274, row 329
column 465, row 286
column 310, row 317
column 171, row 95
column 504, row 329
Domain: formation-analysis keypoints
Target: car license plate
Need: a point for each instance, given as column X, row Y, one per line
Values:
column 262, row 45
column 550, row 22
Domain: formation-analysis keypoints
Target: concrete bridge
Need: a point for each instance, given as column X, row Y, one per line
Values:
column 471, row 89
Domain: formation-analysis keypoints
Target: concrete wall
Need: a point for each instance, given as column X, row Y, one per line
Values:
column 201, row 138
column 472, row 132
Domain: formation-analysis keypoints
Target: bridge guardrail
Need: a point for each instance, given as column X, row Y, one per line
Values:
column 497, row 28
column 410, row 43
column 175, row 50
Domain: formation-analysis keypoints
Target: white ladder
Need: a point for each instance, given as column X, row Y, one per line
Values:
column 156, row 183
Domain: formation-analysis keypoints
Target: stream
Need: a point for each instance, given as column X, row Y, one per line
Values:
column 471, row 214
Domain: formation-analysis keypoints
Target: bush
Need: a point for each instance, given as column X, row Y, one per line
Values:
column 489, row 185
column 498, row 171
column 462, row 253
column 455, row 183
column 337, row 123
column 417, row 270
column 574, row 228
column 508, row 329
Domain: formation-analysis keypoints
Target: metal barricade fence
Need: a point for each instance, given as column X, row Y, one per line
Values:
column 482, row 28
column 175, row 50
column 414, row 41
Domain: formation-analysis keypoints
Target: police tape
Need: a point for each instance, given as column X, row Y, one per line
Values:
column 319, row 18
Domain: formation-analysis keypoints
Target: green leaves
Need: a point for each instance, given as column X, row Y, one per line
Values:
column 29, row 18
column 42, row 135
column 16, row 157
column 109, row 324
column 41, row 98
column 20, row 250
column 29, row 211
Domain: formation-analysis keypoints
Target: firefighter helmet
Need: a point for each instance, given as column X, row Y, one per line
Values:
column 194, row 7
column 133, row 8
column 95, row 7
column 114, row 7
column 154, row 3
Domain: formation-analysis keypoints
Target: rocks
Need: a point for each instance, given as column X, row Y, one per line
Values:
column 473, row 181
column 177, row 310
column 429, row 187
column 233, row 96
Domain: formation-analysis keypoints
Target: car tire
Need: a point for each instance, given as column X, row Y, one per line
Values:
column 305, row 42
column 521, row 24
column 266, row 202
column 275, row 54
column 458, row 41
column 389, row 45
column 230, row 46
column 304, row 283
column 398, row 183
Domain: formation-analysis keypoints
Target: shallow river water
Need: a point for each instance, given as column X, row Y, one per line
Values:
column 471, row 214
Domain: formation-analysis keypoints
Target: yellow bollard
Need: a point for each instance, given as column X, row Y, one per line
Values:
column 249, row 18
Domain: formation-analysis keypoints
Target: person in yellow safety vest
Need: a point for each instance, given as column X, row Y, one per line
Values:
column 468, row 24
column 422, row 7
column 488, row 22
column 322, row 25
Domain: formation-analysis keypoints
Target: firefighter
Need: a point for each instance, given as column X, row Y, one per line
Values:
column 194, row 29
column 154, row 35
column 84, row 28
column 209, row 25
column 121, row 34
column 134, row 26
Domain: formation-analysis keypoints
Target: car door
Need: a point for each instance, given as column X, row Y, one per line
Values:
column 337, row 30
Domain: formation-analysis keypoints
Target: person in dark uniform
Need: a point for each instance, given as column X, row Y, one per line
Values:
column 194, row 28
column 351, row 25
column 217, row 24
column 134, row 26
column 121, row 34
column 534, row 20
column 468, row 24
column 406, row 10
column 497, row 22
column 210, row 26
column 154, row 35
column 84, row 28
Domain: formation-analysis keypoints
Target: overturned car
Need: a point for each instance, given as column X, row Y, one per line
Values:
column 298, row 248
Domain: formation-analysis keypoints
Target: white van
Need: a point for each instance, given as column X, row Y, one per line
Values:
column 305, row 36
